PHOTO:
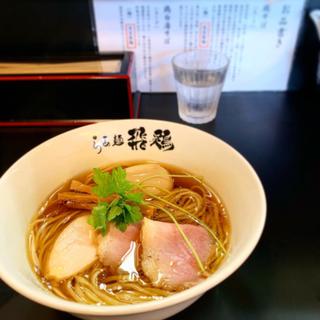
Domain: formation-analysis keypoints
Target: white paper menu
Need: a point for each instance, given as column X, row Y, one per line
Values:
column 259, row 36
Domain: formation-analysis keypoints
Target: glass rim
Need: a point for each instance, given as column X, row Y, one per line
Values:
column 223, row 67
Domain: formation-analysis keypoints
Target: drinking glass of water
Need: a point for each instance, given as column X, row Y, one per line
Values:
column 199, row 77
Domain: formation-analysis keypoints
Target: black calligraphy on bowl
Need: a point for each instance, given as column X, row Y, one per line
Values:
column 137, row 139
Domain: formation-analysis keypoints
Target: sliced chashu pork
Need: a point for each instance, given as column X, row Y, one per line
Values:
column 73, row 251
column 166, row 259
column 113, row 247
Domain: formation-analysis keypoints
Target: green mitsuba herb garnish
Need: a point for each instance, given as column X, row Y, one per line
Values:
column 123, row 209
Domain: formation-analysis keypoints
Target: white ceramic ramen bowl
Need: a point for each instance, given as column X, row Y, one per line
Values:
column 32, row 178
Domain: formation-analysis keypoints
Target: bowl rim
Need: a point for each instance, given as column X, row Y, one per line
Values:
column 180, row 297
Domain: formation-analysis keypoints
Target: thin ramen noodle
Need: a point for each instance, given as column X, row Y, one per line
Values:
column 190, row 202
